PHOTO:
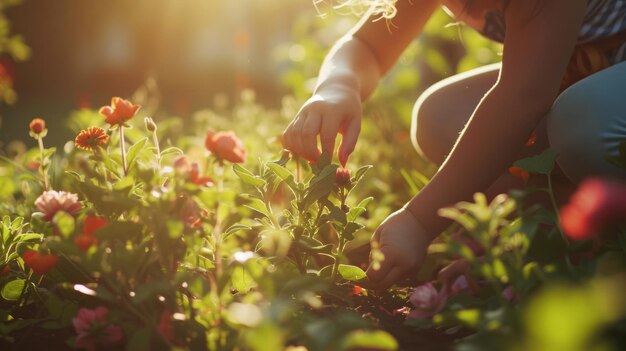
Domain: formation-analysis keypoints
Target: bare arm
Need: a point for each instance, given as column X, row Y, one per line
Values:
column 349, row 74
column 538, row 45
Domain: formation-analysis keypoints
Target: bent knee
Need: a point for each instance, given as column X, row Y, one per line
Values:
column 585, row 129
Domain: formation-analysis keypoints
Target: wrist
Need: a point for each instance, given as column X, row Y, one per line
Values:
column 422, row 231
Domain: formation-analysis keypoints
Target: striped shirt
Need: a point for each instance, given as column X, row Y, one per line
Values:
column 603, row 19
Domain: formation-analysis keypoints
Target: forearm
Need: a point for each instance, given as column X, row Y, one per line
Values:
column 492, row 139
column 349, row 64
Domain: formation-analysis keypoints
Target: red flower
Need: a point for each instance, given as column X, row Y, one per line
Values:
column 119, row 111
column 166, row 328
column 191, row 171
column 226, row 146
column 37, row 126
column 342, row 177
column 597, row 204
column 92, row 224
column 51, row 202
column 520, row 173
column 94, row 331
column 38, row 262
column 427, row 301
column 356, row 290
column 91, row 138
column 84, row 242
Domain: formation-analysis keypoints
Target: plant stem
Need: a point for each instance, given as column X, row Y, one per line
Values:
column 333, row 275
column 556, row 210
column 123, row 150
column 155, row 140
column 44, row 169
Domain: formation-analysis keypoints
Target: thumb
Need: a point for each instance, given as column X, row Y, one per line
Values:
column 348, row 140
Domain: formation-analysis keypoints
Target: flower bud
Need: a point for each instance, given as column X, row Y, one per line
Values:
column 150, row 125
column 342, row 177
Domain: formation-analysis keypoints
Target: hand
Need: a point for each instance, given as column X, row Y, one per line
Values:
column 331, row 111
column 403, row 242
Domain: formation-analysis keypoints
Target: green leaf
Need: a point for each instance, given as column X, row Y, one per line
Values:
column 540, row 164
column 171, row 150
column 247, row 177
column 12, row 290
column 337, row 215
column 282, row 172
column 257, row 205
column 358, row 175
column 351, row 273
column 236, row 227
column 370, row 340
column 133, row 151
column 47, row 153
column 321, row 185
column 65, row 223
column 175, row 228
column 241, row 280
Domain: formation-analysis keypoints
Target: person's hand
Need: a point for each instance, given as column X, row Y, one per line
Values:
column 403, row 242
column 331, row 111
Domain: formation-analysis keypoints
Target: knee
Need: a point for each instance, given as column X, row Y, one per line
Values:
column 426, row 131
column 584, row 132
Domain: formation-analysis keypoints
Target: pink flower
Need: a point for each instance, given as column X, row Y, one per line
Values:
column 226, row 146
column 94, row 331
column 52, row 201
column 509, row 294
column 427, row 301
column 459, row 285
column 597, row 204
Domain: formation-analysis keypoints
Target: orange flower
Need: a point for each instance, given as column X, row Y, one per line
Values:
column 37, row 126
column 119, row 111
column 91, row 138
column 226, row 146
column 520, row 173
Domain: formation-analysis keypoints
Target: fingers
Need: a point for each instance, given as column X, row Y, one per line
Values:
column 449, row 273
column 308, row 136
column 393, row 275
column 348, row 141
column 328, row 134
column 300, row 137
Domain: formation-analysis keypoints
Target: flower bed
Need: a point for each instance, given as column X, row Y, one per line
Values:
column 146, row 238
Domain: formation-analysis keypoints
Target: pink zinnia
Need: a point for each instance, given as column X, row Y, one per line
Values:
column 93, row 329
column 427, row 301
column 52, row 201
column 597, row 204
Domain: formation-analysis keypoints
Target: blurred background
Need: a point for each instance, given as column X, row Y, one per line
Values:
column 63, row 55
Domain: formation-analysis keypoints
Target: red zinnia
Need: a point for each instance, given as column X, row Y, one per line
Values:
column 597, row 204
column 226, row 146
column 91, row 138
column 119, row 111
column 38, row 262
column 37, row 126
